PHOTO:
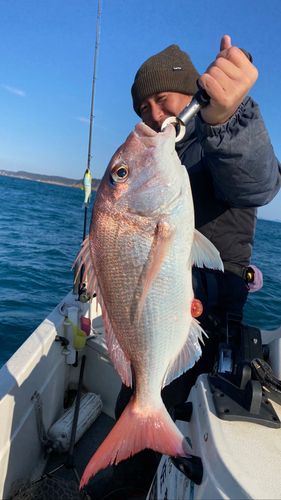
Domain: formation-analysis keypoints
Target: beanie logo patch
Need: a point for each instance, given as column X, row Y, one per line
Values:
column 177, row 68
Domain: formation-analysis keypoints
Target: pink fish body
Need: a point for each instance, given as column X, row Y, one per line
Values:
column 138, row 257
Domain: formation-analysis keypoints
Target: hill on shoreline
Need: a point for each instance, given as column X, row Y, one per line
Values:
column 50, row 179
column 64, row 181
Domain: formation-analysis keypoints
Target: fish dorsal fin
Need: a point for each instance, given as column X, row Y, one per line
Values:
column 164, row 235
column 204, row 253
column 119, row 360
column 189, row 354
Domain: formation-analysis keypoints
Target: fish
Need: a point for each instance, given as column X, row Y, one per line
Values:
column 87, row 185
column 138, row 258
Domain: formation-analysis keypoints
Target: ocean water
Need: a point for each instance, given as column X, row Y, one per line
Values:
column 41, row 229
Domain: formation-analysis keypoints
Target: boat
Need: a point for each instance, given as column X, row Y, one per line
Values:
column 236, row 443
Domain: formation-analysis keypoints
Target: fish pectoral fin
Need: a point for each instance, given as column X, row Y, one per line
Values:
column 204, row 253
column 119, row 360
column 164, row 236
column 189, row 354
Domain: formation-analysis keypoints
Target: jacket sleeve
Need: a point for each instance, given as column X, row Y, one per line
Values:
column 240, row 157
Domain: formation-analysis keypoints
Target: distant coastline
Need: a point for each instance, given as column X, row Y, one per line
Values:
column 64, row 181
column 50, row 179
column 270, row 220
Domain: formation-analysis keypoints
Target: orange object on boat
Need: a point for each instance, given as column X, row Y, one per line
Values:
column 196, row 308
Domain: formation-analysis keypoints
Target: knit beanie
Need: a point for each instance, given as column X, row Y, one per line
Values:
column 168, row 71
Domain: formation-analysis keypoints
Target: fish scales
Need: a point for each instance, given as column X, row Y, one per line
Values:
column 163, row 312
column 141, row 247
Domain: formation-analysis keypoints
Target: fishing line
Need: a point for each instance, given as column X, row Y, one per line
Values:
column 87, row 175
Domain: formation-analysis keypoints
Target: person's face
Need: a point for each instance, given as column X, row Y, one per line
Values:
column 156, row 108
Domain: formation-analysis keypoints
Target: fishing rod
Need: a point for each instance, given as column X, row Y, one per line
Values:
column 91, row 122
column 87, row 176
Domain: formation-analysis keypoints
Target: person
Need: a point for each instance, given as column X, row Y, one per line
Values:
column 232, row 168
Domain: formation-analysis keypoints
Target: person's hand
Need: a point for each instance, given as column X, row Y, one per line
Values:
column 227, row 81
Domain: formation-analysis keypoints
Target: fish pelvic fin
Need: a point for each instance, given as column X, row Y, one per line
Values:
column 119, row 360
column 204, row 253
column 135, row 431
column 189, row 354
column 162, row 243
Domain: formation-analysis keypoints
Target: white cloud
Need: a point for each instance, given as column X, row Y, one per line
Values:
column 85, row 120
column 14, row 91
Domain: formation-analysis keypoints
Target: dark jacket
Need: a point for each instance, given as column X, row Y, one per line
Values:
column 233, row 170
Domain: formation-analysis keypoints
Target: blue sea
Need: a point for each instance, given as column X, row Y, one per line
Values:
column 41, row 229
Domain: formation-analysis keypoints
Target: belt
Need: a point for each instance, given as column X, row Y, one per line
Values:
column 246, row 273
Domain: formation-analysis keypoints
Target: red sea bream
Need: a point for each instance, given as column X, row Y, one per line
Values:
column 138, row 257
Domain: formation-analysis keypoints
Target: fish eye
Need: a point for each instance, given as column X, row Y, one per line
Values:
column 120, row 173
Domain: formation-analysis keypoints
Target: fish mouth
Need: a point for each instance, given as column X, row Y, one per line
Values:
column 150, row 137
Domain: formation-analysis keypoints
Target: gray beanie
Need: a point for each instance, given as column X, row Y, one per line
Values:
column 168, row 71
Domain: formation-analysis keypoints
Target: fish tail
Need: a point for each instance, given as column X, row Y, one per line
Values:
column 133, row 432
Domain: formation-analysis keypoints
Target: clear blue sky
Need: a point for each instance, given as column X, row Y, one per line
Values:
column 47, row 55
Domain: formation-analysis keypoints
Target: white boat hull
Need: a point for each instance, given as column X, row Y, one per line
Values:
column 39, row 366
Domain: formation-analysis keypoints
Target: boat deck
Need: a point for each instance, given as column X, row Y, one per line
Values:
column 128, row 480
